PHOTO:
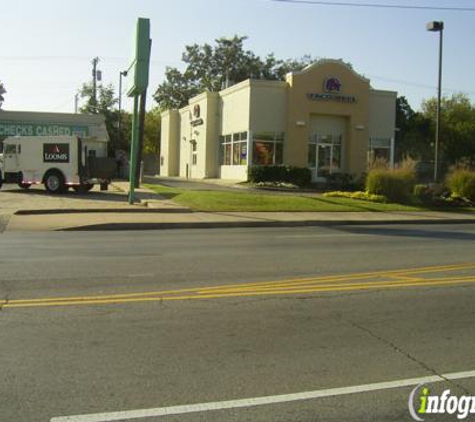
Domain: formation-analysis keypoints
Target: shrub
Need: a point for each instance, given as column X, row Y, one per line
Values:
column 287, row 174
column 366, row 196
column 421, row 191
column 396, row 185
column 340, row 181
column 429, row 193
column 461, row 182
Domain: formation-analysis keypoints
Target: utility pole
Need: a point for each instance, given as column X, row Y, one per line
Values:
column 76, row 103
column 95, row 61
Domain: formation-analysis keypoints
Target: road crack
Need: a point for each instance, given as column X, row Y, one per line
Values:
column 401, row 351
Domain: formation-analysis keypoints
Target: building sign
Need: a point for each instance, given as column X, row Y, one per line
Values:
column 41, row 129
column 332, row 84
column 332, row 97
column 197, row 122
column 332, row 92
column 197, row 111
column 56, row 153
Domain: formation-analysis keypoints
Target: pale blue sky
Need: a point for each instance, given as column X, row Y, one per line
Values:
column 47, row 45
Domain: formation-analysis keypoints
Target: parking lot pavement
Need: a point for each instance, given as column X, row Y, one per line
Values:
column 13, row 198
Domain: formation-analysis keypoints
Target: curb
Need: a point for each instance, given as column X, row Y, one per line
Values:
column 257, row 224
column 144, row 210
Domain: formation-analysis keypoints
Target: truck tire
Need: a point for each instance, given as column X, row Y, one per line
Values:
column 54, row 182
column 24, row 185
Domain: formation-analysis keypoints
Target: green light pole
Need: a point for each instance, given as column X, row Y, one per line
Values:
column 140, row 72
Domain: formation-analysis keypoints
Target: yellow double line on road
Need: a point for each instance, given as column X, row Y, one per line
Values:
column 336, row 283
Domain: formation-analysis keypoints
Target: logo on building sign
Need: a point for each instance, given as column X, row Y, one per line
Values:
column 332, row 92
column 196, row 111
column 56, row 153
column 332, row 84
column 197, row 120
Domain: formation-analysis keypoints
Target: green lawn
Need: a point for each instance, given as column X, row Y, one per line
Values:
column 244, row 201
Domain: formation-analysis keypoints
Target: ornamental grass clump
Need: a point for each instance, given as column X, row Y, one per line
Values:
column 395, row 184
column 461, row 182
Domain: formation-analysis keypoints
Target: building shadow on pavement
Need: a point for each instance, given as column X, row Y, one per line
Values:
column 416, row 232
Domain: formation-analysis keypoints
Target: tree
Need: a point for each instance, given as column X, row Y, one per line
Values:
column 413, row 136
column 2, row 91
column 106, row 101
column 457, row 136
column 152, row 131
column 213, row 68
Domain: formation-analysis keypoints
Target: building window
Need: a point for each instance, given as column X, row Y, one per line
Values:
column 268, row 148
column 380, row 149
column 234, row 149
column 324, row 154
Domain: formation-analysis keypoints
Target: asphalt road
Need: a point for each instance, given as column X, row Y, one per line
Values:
column 124, row 321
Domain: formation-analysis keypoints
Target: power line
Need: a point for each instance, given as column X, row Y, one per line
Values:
column 418, row 84
column 379, row 6
column 80, row 58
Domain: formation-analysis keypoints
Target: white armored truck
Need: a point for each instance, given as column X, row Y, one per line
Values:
column 58, row 162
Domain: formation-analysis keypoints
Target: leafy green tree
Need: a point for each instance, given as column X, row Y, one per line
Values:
column 105, row 104
column 457, row 133
column 2, row 92
column 152, row 131
column 106, row 99
column 213, row 67
column 413, row 135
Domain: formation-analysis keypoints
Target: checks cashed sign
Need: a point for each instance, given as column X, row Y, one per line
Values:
column 41, row 129
column 56, row 153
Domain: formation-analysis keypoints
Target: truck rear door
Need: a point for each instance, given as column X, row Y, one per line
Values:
column 10, row 158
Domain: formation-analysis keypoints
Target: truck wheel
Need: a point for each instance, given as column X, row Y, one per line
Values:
column 54, row 182
column 24, row 185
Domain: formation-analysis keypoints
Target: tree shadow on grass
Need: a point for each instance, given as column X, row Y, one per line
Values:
column 358, row 206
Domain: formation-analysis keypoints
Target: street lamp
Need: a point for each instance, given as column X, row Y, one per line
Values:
column 437, row 26
column 123, row 73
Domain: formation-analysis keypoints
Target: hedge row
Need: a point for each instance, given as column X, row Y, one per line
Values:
column 288, row 174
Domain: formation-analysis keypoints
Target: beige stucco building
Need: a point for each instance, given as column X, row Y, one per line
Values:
column 327, row 118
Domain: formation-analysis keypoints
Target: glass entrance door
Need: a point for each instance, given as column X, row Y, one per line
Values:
column 324, row 159
column 325, row 154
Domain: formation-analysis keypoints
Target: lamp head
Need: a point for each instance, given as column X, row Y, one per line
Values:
column 435, row 26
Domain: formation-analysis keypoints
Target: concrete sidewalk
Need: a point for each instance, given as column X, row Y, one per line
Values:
column 37, row 211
